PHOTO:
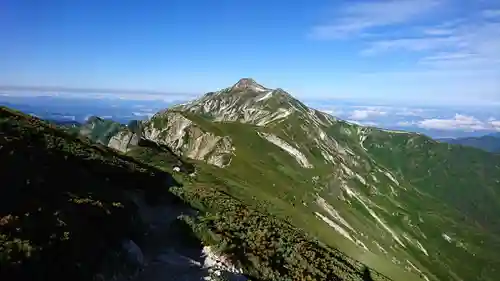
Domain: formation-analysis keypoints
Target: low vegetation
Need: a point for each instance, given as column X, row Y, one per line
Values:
column 66, row 206
column 265, row 246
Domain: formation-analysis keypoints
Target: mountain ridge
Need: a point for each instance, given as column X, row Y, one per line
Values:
column 490, row 142
column 306, row 136
column 386, row 198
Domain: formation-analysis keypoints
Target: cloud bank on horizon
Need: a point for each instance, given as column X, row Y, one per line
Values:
column 444, row 120
column 435, row 121
column 99, row 94
column 416, row 51
column 460, row 122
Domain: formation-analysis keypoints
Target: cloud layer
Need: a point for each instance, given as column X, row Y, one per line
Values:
column 441, row 121
column 417, row 26
column 358, row 17
column 439, row 46
column 362, row 114
column 460, row 122
column 108, row 94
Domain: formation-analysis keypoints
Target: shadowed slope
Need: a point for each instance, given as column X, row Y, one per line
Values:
column 64, row 208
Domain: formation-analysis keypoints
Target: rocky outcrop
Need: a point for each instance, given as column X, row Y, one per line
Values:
column 162, row 257
column 170, row 129
column 123, row 140
column 186, row 138
column 220, row 266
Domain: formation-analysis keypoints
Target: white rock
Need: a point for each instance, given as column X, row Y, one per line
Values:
column 299, row 156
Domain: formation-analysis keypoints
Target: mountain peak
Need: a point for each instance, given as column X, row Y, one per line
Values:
column 248, row 84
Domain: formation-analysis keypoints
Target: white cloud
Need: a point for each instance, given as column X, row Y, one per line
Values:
column 448, row 56
column 443, row 53
column 143, row 114
column 411, row 44
column 495, row 124
column 405, row 123
column 166, row 97
column 404, row 111
column 462, row 43
column 493, row 13
column 442, row 28
column 363, row 112
column 366, row 113
column 437, row 31
column 436, row 86
column 332, row 111
column 67, row 117
column 364, row 123
column 460, row 122
column 357, row 17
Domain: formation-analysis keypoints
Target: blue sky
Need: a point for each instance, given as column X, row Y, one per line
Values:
column 426, row 51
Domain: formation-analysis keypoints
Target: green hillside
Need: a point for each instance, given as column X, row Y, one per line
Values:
column 452, row 199
column 284, row 191
column 408, row 206
column 68, row 203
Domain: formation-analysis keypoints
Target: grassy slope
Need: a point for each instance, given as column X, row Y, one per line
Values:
column 461, row 187
column 272, row 180
column 437, row 192
column 63, row 216
column 430, row 203
column 435, row 197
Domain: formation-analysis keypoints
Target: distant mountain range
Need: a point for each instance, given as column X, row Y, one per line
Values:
column 64, row 123
column 490, row 143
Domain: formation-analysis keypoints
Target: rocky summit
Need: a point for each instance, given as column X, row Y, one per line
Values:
column 287, row 192
column 248, row 84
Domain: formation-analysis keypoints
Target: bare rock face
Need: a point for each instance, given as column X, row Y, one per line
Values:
column 186, row 138
column 170, row 128
column 123, row 140
column 249, row 102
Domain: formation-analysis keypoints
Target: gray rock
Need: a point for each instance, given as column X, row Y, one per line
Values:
column 123, row 140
